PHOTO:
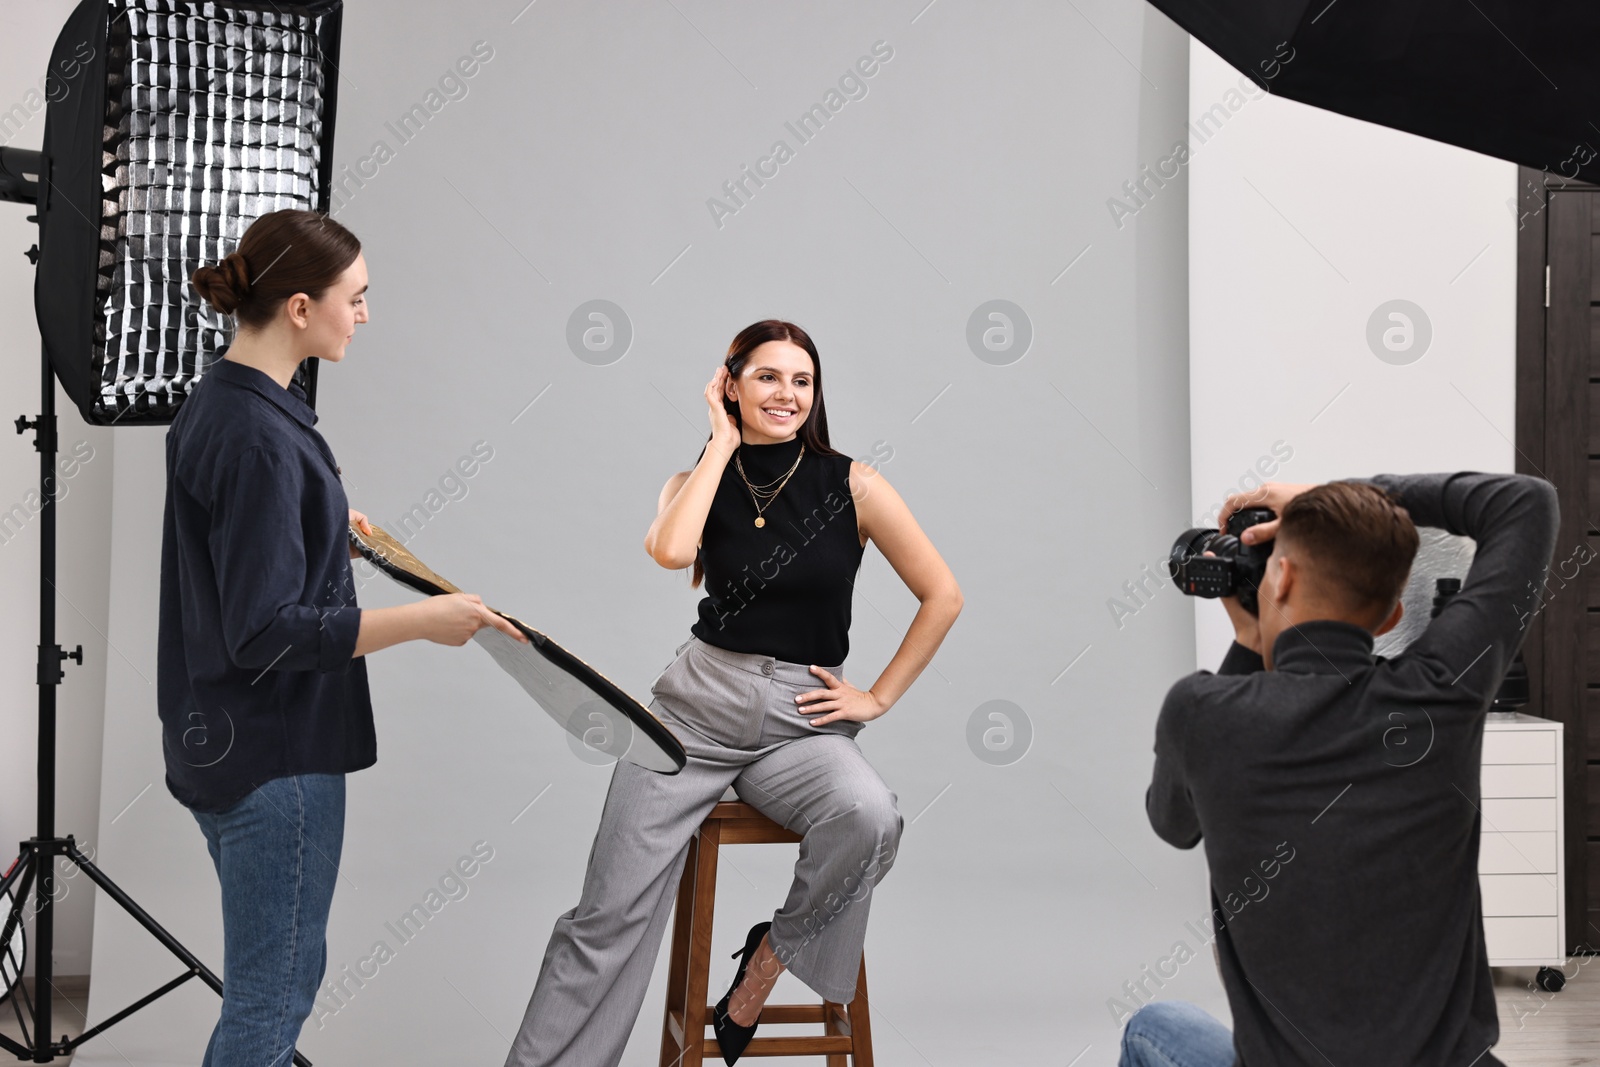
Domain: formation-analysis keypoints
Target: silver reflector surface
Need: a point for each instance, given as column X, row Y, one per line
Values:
column 587, row 704
column 214, row 117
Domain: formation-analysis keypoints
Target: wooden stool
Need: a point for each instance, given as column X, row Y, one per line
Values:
column 846, row 1029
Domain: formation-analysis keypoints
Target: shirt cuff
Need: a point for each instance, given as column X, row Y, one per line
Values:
column 340, row 627
column 1241, row 660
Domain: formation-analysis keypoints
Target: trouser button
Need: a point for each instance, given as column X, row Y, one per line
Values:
column 766, row 668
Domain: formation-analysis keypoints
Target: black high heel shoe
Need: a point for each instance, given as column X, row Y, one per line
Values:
column 731, row 1037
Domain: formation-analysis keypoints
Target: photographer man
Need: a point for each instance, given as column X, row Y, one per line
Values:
column 1368, row 947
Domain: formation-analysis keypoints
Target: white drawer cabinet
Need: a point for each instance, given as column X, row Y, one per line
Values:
column 1521, row 866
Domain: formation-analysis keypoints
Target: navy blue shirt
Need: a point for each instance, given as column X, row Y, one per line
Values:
column 255, row 676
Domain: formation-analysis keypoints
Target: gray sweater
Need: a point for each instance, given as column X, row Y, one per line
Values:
column 1337, row 795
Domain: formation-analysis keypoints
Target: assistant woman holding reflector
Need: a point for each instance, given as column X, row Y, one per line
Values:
column 776, row 521
column 261, row 681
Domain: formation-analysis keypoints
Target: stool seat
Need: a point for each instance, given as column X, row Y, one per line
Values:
column 846, row 1028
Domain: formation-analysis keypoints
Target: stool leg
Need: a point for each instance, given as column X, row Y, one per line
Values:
column 830, row 1028
column 678, row 966
column 705, row 901
column 860, row 1021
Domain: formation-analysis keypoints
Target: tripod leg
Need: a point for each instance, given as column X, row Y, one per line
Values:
column 17, row 868
column 142, row 917
column 14, row 914
column 20, row 1051
column 156, row 930
column 21, row 1003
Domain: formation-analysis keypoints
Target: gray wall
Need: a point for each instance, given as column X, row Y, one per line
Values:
column 577, row 167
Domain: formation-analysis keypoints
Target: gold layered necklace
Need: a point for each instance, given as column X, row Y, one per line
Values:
column 763, row 495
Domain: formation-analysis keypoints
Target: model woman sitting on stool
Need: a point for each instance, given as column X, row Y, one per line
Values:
column 776, row 522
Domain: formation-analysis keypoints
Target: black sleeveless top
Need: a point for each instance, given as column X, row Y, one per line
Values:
column 782, row 589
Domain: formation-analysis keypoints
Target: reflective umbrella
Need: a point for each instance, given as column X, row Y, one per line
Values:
column 1516, row 79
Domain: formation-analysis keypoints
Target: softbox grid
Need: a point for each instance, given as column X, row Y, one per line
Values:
column 214, row 117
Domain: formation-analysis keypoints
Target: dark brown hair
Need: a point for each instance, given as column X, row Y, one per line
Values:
column 1359, row 543
column 282, row 253
column 814, row 431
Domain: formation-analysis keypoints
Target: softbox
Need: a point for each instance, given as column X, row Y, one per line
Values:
column 172, row 125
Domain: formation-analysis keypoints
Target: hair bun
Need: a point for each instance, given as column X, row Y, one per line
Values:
column 237, row 271
column 226, row 285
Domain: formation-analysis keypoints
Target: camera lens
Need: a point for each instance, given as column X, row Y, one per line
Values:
column 1233, row 568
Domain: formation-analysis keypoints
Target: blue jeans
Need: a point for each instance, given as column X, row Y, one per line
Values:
column 277, row 855
column 1172, row 1033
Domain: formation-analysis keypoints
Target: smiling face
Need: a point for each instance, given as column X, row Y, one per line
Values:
column 329, row 324
column 774, row 391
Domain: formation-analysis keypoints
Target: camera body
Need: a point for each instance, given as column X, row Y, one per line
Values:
column 1233, row 569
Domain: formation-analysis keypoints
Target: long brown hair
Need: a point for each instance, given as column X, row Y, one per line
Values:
column 813, row 432
column 281, row 254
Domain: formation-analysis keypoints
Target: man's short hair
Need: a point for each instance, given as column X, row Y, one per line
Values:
column 1356, row 541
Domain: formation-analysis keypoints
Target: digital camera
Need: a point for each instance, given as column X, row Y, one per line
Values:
column 1233, row 569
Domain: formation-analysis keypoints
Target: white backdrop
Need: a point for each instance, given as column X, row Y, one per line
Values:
column 1304, row 228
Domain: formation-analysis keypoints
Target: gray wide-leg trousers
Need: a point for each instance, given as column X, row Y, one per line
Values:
column 736, row 716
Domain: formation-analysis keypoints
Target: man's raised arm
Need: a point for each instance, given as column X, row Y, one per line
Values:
column 1513, row 519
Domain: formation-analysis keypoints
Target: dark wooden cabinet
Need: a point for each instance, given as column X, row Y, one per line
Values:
column 1558, row 438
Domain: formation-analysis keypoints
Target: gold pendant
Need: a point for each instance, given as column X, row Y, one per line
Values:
column 760, row 521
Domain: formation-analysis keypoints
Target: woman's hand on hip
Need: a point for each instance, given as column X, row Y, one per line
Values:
column 840, row 700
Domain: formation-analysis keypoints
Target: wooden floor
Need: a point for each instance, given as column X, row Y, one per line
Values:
column 1537, row 1029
